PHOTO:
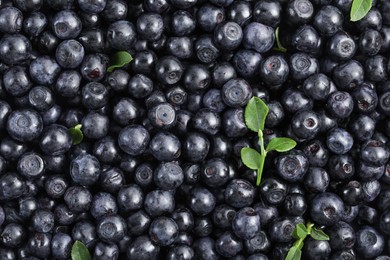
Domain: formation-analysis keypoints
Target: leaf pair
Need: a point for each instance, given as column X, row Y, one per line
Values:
column 359, row 9
column 119, row 59
column 300, row 233
column 256, row 113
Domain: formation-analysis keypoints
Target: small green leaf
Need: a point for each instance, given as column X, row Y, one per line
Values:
column 359, row 9
column 318, row 234
column 281, row 144
column 294, row 254
column 278, row 43
column 251, row 158
column 80, row 252
column 76, row 134
column 119, row 59
column 300, row 231
column 256, row 112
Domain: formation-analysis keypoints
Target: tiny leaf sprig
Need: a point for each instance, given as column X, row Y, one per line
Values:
column 360, row 9
column 256, row 112
column 76, row 134
column 80, row 251
column 300, row 233
column 119, row 59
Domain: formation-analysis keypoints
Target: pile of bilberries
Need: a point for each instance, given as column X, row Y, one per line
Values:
column 143, row 160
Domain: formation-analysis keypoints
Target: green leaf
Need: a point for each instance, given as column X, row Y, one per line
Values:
column 76, row 134
column 278, row 43
column 359, row 9
column 300, row 231
column 294, row 254
column 281, row 144
column 318, row 234
column 119, row 59
column 80, row 252
column 256, row 112
column 251, row 158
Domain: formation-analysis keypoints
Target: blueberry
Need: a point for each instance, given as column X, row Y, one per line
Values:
column 316, row 180
column 55, row 140
column 66, row 24
column 203, row 226
column 138, row 223
column 240, row 12
column 24, row 125
column 246, row 223
column 196, row 78
column 95, row 125
column 184, row 252
column 163, row 231
column 177, row 95
column 348, row 75
column 168, row 176
column 140, row 86
column 103, row 204
column 111, row 228
column 204, row 248
column 228, row 245
column 43, row 221
column 69, row 54
column 92, row 6
column 228, row 35
column 201, row 201
column 215, row 172
column 106, row 251
column 78, row 199
column 306, row 39
column 281, row 229
column 93, row 67
column 342, row 236
column 316, row 249
column 150, row 26
column 142, row 248
column 341, row 46
column 209, row 16
column 299, row 11
column 31, row 165
column 328, row 20
column 44, row 70
column 369, row 242
column 239, row 193
column 85, row 232
column 165, row 146
column 370, row 42
column 339, row 141
column 13, row 235
column 205, row 49
column 92, row 40
column 267, row 12
column 303, row 65
column 258, row 37
column 292, row 166
column 183, row 23
column 169, row 70
column 85, row 169
column 61, row 245
column 162, row 116
column 14, row 49
column 375, row 68
column 274, row 70
column 305, row 124
column 159, row 202
column 27, row 6
column 38, row 244
column 207, row 121
column 11, row 20
column 326, row 208
column 374, row 153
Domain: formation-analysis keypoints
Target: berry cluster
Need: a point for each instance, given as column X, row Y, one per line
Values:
column 157, row 172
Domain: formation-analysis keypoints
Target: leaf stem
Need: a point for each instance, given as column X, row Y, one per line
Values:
column 263, row 154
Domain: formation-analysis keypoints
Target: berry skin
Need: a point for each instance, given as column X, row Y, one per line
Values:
column 14, row 49
column 111, row 228
column 201, row 201
column 369, row 242
column 168, row 176
column 159, row 202
column 55, row 140
column 305, row 124
column 150, row 26
column 24, row 125
column 133, row 139
column 165, row 146
column 163, row 231
column 236, row 92
column 66, row 24
column 228, row 245
column 274, row 70
column 326, row 208
column 246, row 223
column 69, row 54
column 239, row 193
column 85, row 169
column 258, row 37
column 328, row 20
column 292, row 166
column 339, row 141
column 61, row 245
column 341, row 46
column 142, row 248
column 44, row 70
column 374, row 153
